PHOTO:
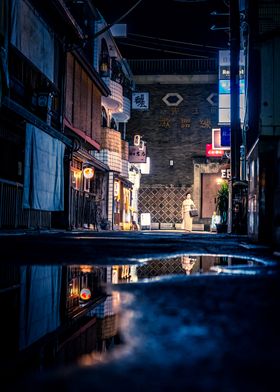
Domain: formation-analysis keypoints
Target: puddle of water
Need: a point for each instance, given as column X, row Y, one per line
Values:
column 61, row 313
column 154, row 269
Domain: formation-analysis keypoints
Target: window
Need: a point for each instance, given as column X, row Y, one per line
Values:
column 104, row 118
column 104, row 64
column 76, row 179
column 113, row 124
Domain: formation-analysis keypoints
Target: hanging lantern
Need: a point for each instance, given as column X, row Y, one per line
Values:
column 88, row 172
column 85, row 294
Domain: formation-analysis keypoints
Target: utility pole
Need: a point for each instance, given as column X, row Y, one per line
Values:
column 235, row 134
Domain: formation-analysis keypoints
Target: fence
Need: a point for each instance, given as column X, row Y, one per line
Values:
column 84, row 210
column 173, row 66
column 12, row 214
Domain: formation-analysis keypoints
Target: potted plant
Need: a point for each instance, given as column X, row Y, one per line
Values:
column 222, row 207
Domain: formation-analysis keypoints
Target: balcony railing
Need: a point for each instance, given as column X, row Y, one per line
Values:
column 173, row 66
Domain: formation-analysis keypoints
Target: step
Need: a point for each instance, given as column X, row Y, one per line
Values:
column 166, row 226
column 195, row 226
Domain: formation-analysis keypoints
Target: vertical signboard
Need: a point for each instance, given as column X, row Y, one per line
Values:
column 224, row 86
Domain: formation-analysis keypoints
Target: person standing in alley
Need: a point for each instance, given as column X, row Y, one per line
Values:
column 187, row 205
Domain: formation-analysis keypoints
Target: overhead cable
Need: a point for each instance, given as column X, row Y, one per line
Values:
column 163, row 50
column 175, row 41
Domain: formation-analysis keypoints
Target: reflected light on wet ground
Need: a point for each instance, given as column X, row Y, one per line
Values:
column 177, row 314
column 154, row 269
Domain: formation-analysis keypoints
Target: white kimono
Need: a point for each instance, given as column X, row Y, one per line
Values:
column 187, row 220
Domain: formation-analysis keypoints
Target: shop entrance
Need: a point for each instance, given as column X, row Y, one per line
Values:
column 210, row 184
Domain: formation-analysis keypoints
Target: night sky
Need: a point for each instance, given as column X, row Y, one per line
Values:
column 157, row 24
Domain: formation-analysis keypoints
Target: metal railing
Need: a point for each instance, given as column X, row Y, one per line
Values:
column 13, row 215
column 173, row 66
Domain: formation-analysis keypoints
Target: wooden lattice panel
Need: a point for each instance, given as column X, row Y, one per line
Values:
column 161, row 267
column 162, row 202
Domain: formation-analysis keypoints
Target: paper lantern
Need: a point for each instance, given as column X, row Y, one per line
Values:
column 85, row 294
column 88, row 172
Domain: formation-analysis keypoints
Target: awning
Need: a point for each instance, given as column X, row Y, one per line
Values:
column 82, row 134
column 125, row 181
column 85, row 156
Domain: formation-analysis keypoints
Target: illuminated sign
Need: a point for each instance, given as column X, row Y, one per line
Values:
column 221, row 138
column 224, row 86
column 225, row 174
column 145, row 219
column 210, row 152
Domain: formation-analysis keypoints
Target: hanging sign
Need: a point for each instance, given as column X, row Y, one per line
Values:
column 137, row 154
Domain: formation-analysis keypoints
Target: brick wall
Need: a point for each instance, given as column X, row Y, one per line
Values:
column 177, row 133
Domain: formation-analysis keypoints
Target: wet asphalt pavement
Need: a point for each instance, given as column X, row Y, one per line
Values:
column 183, row 333
column 123, row 247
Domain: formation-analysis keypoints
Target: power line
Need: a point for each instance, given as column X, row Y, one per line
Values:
column 164, row 50
column 108, row 26
column 175, row 41
column 167, row 46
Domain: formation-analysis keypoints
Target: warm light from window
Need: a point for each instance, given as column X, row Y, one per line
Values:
column 86, row 268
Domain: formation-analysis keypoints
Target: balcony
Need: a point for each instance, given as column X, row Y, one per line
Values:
column 114, row 102
column 124, row 116
column 111, row 149
column 111, row 140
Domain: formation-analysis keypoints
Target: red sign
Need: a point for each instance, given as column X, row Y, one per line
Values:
column 213, row 153
column 137, row 154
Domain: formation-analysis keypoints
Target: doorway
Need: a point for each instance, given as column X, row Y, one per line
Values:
column 210, row 184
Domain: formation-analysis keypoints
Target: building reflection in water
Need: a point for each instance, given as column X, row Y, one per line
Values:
column 56, row 315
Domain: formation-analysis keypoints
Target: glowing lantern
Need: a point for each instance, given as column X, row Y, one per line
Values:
column 85, row 294
column 88, row 172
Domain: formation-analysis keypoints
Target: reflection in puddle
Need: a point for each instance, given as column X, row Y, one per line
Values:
column 65, row 314
column 180, row 265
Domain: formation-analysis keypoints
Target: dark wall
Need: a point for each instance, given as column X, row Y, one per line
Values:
column 177, row 133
